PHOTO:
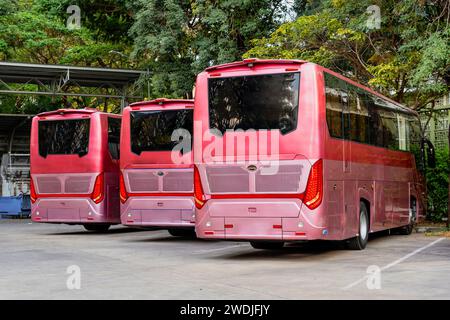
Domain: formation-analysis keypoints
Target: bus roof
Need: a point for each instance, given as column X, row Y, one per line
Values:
column 163, row 101
column 68, row 111
column 253, row 61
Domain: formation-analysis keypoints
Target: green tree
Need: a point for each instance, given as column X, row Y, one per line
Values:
column 178, row 39
column 437, row 185
column 36, row 32
column 108, row 20
column 407, row 58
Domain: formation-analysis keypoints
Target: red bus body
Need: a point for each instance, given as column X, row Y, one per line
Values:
column 74, row 188
column 320, row 181
column 155, row 190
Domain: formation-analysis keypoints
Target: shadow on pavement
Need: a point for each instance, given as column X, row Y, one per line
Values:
column 301, row 249
column 120, row 230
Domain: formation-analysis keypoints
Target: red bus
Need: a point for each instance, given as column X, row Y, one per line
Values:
column 318, row 156
column 156, row 183
column 74, row 159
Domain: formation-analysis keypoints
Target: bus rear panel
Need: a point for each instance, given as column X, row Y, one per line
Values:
column 75, row 167
column 157, row 178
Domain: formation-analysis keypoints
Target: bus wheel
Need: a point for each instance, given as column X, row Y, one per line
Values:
column 407, row 230
column 360, row 241
column 182, row 233
column 268, row 245
column 97, row 227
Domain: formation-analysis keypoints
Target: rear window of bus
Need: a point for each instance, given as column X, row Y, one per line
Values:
column 152, row 130
column 254, row 102
column 63, row 137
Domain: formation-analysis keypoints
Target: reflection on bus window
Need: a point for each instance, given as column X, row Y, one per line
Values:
column 254, row 102
column 63, row 137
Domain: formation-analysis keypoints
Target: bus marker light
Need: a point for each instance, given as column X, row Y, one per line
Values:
column 300, row 233
column 209, row 232
column 208, row 224
column 228, row 226
column 277, row 226
column 300, row 224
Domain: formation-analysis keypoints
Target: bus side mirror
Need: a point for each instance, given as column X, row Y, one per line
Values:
column 431, row 154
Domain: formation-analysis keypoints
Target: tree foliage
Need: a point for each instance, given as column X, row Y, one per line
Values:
column 407, row 58
column 437, row 185
column 36, row 32
column 178, row 39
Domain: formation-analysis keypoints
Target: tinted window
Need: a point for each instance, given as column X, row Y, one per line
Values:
column 63, row 137
column 114, row 137
column 366, row 117
column 415, row 139
column 336, row 97
column 152, row 130
column 358, row 116
column 254, row 102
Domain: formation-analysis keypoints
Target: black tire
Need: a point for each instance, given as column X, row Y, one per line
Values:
column 186, row 233
column 267, row 245
column 407, row 230
column 360, row 242
column 97, row 227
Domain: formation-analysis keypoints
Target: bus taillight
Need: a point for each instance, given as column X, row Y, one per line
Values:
column 123, row 189
column 198, row 190
column 98, row 194
column 314, row 189
column 33, row 195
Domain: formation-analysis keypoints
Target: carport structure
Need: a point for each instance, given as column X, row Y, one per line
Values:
column 61, row 80
column 53, row 80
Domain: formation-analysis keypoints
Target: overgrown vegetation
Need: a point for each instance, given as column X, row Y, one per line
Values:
column 437, row 185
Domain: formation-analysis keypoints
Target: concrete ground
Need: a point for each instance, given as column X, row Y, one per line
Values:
column 130, row 264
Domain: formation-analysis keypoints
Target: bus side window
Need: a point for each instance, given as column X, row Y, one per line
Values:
column 358, row 116
column 415, row 137
column 336, row 97
column 403, row 137
column 114, row 137
column 390, row 130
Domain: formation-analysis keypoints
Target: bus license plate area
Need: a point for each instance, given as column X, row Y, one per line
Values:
column 161, row 216
column 261, row 228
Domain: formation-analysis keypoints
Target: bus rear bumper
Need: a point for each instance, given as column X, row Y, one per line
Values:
column 169, row 212
column 70, row 211
column 279, row 224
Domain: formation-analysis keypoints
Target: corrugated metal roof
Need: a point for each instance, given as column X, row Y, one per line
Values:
column 14, row 72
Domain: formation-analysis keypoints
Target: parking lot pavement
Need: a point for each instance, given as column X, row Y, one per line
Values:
column 132, row 264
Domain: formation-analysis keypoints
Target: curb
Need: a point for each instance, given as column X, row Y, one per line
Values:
column 425, row 229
